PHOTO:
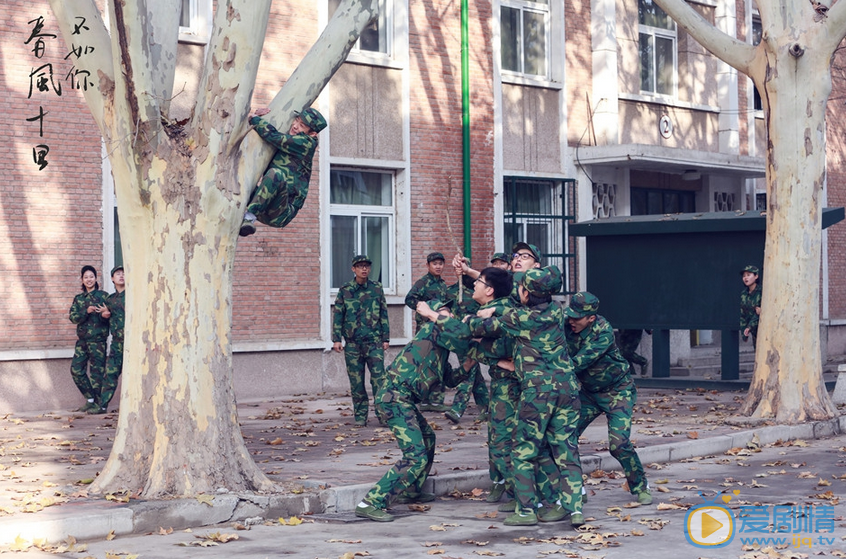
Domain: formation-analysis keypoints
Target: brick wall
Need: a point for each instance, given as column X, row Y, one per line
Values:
column 436, row 141
column 836, row 171
column 51, row 222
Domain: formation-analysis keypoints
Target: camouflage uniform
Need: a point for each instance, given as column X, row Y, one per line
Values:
column 360, row 316
column 628, row 341
column 476, row 383
column 748, row 316
column 548, row 409
column 92, row 331
column 607, row 386
column 114, row 366
column 420, row 365
column 493, row 346
column 282, row 190
column 428, row 288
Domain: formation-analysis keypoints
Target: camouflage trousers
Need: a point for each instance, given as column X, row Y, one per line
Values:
column 475, row 384
column 276, row 201
column 505, row 395
column 114, row 367
column 617, row 405
column 548, row 414
column 416, row 440
column 358, row 355
column 90, row 355
column 628, row 342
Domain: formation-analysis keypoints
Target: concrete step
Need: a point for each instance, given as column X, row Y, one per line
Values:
column 713, row 360
column 707, row 370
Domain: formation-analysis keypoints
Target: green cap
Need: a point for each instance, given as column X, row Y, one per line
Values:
column 116, row 268
column 313, row 119
column 542, row 281
column 434, row 256
column 582, row 304
column 531, row 248
column 500, row 256
column 750, row 268
column 359, row 258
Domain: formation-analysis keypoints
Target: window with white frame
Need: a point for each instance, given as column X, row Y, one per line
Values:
column 376, row 37
column 361, row 208
column 195, row 21
column 757, row 32
column 658, row 48
column 524, row 36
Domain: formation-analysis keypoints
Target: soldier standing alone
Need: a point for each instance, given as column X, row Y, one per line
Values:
column 750, row 304
column 92, row 330
column 360, row 316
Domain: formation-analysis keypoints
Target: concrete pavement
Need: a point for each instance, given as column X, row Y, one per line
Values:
column 310, row 446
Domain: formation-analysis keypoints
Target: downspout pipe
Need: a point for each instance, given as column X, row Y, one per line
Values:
column 465, row 124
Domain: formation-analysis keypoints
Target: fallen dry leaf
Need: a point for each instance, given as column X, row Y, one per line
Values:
column 206, row 499
column 293, row 521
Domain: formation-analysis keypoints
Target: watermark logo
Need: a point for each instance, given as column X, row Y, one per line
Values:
column 711, row 524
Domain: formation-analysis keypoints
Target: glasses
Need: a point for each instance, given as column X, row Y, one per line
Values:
column 479, row 280
column 522, row 256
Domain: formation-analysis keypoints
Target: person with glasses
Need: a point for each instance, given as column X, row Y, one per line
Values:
column 476, row 383
column 430, row 287
column 360, row 317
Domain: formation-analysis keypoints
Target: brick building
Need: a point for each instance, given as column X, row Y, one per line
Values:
column 583, row 109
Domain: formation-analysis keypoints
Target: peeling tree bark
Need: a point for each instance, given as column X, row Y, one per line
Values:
column 181, row 191
column 791, row 67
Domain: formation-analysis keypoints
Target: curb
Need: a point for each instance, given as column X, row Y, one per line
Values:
column 88, row 521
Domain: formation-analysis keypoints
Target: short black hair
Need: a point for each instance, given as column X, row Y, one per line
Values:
column 93, row 270
column 535, row 300
column 499, row 280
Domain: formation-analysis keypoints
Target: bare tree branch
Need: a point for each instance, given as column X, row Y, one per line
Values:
column 233, row 55
column 97, row 63
column 308, row 80
column 733, row 52
column 835, row 23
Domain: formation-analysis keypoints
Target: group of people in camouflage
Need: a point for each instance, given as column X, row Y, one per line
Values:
column 96, row 313
column 553, row 370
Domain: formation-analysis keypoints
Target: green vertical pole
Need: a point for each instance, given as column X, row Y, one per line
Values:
column 465, row 123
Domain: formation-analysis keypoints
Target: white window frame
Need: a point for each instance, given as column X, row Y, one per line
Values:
column 199, row 31
column 360, row 211
column 663, row 33
column 389, row 13
column 533, row 7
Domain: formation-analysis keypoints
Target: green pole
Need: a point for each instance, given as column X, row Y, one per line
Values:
column 465, row 123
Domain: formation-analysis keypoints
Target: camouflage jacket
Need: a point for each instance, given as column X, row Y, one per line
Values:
column 468, row 305
column 293, row 152
column 492, row 345
column 117, row 307
column 360, row 313
column 540, row 349
column 423, row 362
column 598, row 363
column 748, row 316
column 428, row 288
column 89, row 326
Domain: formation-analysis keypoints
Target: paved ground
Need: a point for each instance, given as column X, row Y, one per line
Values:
column 462, row 525
column 310, row 445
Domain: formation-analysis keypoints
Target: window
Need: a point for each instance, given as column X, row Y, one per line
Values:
column 651, row 201
column 534, row 213
column 375, row 38
column 757, row 31
column 524, row 33
column 362, row 222
column 195, row 21
column 657, row 49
